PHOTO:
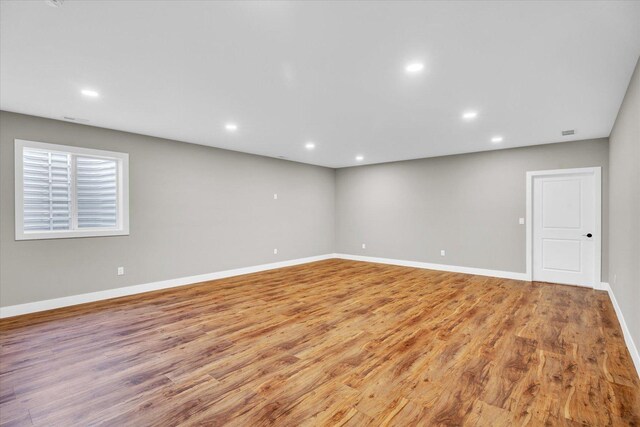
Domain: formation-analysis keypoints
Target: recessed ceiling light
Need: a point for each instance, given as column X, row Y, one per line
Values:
column 469, row 115
column 231, row 127
column 414, row 67
column 310, row 146
column 496, row 139
column 359, row 158
column 89, row 92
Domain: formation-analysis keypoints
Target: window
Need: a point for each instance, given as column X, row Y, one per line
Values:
column 64, row 191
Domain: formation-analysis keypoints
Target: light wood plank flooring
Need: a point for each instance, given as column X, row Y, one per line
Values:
column 329, row 343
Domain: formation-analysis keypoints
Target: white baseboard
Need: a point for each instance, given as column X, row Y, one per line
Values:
column 602, row 286
column 631, row 345
column 441, row 267
column 32, row 307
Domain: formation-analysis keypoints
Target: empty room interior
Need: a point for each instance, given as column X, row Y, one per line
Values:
column 319, row 213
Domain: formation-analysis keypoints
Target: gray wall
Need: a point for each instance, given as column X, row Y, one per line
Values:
column 193, row 210
column 467, row 204
column 197, row 210
column 624, row 194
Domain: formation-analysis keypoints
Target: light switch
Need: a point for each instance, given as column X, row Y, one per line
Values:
column 521, row 221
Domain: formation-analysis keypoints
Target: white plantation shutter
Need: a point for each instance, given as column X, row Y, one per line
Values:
column 64, row 191
column 47, row 190
column 97, row 192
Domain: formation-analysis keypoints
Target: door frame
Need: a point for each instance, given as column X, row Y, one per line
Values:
column 597, row 174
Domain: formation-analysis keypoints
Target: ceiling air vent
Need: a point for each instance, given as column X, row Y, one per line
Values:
column 54, row 3
column 75, row 119
column 568, row 132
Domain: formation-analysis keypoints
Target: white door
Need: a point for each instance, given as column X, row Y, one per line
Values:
column 566, row 215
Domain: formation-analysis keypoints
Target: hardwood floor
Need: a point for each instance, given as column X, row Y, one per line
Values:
column 329, row 343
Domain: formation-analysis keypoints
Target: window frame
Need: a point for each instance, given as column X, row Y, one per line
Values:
column 122, row 177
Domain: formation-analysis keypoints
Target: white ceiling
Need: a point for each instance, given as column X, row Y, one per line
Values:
column 329, row 72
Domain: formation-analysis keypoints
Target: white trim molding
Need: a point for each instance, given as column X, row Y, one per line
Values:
column 601, row 286
column 631, row 345
column 441, row 267
column 33, row 307
column 597, row 173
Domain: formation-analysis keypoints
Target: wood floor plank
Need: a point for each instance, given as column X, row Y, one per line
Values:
column 334, row 343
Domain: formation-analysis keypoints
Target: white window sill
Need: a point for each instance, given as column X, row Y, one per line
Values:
column 64, row 234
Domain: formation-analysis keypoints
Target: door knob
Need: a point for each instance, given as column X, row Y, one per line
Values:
column 589, row 235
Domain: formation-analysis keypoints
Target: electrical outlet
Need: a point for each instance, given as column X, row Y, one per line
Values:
column 275, row 196
column 521, row 221
column 120, row 271
column 442, row 253
column 275, row 252
column 364, row 246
